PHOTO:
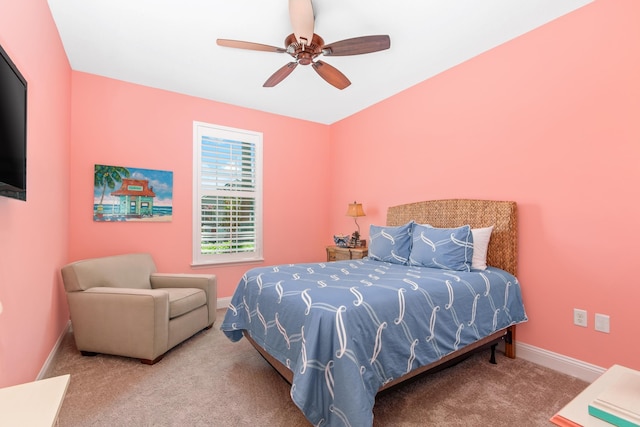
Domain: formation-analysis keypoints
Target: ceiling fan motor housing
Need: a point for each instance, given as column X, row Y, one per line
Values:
column 304, row 54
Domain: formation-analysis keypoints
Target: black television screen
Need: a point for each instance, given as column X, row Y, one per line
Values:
column 13, row 130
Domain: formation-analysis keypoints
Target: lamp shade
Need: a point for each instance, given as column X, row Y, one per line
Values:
column 355, row 210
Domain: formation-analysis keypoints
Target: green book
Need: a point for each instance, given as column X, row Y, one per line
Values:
column 611, row 418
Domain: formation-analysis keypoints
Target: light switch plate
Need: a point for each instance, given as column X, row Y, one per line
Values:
column 602, row 323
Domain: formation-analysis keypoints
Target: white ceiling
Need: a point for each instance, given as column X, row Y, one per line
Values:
column 171, row 45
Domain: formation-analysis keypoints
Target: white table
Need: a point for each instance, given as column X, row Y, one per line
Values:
column 576, row 413
column 33, row 404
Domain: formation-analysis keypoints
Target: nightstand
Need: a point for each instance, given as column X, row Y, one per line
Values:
column 336, row 253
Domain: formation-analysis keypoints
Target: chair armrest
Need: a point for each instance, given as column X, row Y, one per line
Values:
column 125, row 321
column 169, row 280
column 206, row 282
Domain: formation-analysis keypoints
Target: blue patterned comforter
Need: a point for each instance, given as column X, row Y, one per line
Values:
column 346, row 328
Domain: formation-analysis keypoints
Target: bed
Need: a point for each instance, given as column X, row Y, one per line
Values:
column 342, row 331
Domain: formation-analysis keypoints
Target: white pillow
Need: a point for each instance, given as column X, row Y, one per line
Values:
column 481, row 238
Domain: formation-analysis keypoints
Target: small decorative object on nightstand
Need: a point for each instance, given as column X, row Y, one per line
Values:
column 336, row 253
column 341, row 240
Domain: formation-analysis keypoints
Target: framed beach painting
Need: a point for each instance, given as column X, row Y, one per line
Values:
column 132, row 194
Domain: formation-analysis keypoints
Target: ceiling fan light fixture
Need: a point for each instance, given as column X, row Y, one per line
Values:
column 302, row 20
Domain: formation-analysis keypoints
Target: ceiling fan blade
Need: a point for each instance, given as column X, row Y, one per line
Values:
column 331, row 74
column 302, row 20
column 357, row 46
column 249, row 45
column 280, row 75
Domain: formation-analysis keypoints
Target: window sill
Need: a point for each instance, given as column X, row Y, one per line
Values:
column 209, row 264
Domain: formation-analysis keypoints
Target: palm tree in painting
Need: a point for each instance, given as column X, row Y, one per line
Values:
column 108, row 176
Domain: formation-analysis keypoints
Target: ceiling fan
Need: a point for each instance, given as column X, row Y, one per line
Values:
column 305, row 46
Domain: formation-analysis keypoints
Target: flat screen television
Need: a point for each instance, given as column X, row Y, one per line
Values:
column 13, row 130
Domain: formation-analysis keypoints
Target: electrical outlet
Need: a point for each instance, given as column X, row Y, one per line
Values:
column 580, row 317
column 602, row 323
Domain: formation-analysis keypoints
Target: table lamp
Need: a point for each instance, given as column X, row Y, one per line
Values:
column 355, row 210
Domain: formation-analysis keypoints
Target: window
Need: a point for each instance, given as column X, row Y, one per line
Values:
column 227, row 202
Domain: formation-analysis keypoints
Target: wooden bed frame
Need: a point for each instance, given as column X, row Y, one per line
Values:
column 502, row 253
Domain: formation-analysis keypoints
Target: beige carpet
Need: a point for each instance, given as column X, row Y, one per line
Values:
column 210, row 381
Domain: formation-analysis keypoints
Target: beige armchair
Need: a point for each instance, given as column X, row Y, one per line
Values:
column 120, row 305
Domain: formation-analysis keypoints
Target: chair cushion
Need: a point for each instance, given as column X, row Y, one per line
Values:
column 184, row 300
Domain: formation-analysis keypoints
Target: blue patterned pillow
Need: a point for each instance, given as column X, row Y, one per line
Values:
column 391, row 244
column 446, row 248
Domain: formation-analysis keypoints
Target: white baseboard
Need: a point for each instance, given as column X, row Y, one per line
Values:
column 548, row 359
column 53, row 352
column 558, row 362
column 223, row 302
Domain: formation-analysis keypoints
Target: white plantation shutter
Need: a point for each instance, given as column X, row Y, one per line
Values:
column 227, row 223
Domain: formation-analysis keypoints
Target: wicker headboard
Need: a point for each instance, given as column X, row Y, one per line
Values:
column 503, row 246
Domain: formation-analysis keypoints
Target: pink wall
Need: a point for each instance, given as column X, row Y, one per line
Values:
column 550, row 120
column 117, row 123
column 33, row 234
